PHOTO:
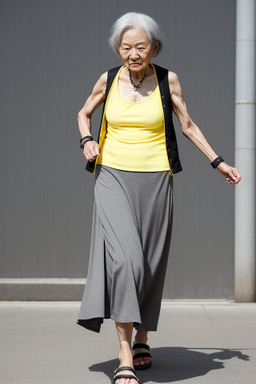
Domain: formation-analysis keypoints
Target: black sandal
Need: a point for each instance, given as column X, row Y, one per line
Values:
column 142, row 354
column 124, row 376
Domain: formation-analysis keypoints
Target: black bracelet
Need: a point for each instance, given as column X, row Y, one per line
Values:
column 85, row 141
column 216, row 162
column 86, row 137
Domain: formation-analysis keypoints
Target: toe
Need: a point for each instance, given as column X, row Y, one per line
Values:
column 141, row 361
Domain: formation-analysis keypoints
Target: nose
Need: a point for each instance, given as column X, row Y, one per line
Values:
column 133, row 53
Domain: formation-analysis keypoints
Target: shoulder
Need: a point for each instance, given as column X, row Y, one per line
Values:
column 103, row 79
column 101, row 85
column 111, row 75
column 174, row 83
column 172, row 77
column 107, row 78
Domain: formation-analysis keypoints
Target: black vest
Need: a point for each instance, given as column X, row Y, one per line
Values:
column 170, row 137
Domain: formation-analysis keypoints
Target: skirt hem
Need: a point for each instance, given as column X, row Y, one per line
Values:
column 95, row 324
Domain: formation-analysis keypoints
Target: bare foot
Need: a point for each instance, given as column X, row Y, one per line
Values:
column 141, row 360
column 141, row 338
column 126, row 381
column 126, row 360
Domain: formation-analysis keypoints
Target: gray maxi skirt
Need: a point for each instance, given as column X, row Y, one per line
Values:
column 130, row 244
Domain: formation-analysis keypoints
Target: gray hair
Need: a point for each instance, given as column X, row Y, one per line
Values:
column 132, row 20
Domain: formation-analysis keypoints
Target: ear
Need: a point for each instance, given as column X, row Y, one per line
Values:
column 156, row 48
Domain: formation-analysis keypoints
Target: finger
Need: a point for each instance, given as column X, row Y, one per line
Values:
column 234, row 175
column 88, row 156
column 238, row 177
column 89, row 153
column 237, row 173
column 96, row 152
column 85, row 155
column 94, row 149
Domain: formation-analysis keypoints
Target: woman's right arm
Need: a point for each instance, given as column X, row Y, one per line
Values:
column 91, row 148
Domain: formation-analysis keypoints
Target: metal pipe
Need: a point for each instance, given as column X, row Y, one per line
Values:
column 245, row 152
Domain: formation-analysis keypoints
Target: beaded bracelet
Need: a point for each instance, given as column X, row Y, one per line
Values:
column 84, row 140
column 86, row 137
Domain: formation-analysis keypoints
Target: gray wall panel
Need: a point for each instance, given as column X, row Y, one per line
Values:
column 54, row 51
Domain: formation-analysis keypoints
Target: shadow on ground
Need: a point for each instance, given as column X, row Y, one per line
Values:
column 171, row 364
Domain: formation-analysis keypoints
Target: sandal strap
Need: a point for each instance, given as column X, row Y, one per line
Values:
column 141, row 345
column 142, row 354
column 120, row 369
column 123, row 376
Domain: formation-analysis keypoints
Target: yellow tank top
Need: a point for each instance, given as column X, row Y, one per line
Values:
column 135, row 137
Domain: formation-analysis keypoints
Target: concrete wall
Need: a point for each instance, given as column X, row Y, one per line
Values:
column 52, row 53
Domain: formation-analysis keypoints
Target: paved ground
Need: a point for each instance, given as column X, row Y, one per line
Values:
column 40, row 343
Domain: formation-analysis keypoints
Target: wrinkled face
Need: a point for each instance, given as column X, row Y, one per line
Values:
column 136, row 49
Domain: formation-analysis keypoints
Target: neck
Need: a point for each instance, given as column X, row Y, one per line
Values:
column 141, row 74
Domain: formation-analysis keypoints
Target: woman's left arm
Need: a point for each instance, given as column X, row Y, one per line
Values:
column 193, row 133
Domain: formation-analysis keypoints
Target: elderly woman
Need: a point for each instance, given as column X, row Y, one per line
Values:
column 134, row 160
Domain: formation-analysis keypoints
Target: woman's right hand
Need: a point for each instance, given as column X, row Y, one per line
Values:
column 91, row 150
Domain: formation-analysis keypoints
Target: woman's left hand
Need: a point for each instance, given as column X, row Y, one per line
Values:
column 232, row 175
